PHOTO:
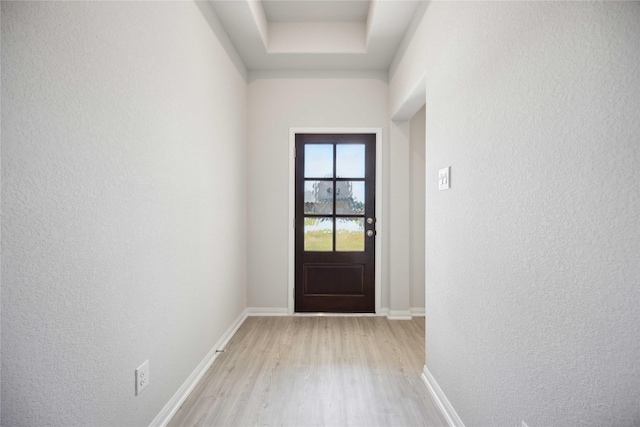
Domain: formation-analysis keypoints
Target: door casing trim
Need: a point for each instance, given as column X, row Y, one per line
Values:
column 292, row 199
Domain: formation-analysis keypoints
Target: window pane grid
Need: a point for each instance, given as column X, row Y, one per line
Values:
column 334, row 205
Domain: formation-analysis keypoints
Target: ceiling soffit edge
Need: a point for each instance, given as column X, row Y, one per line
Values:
column 368, row 43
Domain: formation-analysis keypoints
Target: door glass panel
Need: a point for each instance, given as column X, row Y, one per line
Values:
column 318, row 197
column 318, row 161
column 318, row 234
column 350, row 197
column 350, row 234
column 350, row 161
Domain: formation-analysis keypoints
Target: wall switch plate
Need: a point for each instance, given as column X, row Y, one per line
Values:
column 142, row 377
column 443, row 178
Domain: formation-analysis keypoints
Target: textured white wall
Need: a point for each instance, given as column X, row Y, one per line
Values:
column 124, row 206
column 275, row 105
column 532, row 271
column 399, row 230
column 417, row 207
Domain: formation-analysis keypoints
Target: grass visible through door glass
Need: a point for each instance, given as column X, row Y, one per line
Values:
column 318, row 234
column 348, row 241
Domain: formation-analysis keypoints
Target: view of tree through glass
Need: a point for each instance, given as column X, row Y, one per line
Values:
column 324, row 190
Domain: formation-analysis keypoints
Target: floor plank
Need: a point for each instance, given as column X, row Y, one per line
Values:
column 316, row 371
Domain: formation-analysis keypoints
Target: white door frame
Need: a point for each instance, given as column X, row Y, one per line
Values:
column 292, row 200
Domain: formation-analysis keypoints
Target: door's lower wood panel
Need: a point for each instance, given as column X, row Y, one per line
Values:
column 333, row 279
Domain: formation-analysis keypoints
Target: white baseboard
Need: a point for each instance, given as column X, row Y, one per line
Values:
column 267, row 311
column 417, row 311
column 402, row 314
column 391, row 314
column 399, row 315
column 441, row 400
column 185, row 389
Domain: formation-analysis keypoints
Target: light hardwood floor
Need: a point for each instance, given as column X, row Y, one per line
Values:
column 316, row 371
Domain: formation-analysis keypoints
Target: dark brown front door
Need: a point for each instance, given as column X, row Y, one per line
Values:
column 335, row 223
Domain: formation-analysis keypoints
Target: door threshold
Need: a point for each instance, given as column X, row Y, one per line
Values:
column 311, row 314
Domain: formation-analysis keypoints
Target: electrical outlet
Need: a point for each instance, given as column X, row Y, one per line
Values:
column 142, row 377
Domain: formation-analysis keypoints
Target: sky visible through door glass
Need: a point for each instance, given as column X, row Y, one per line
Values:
column 318, row 161
column 350, row 161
